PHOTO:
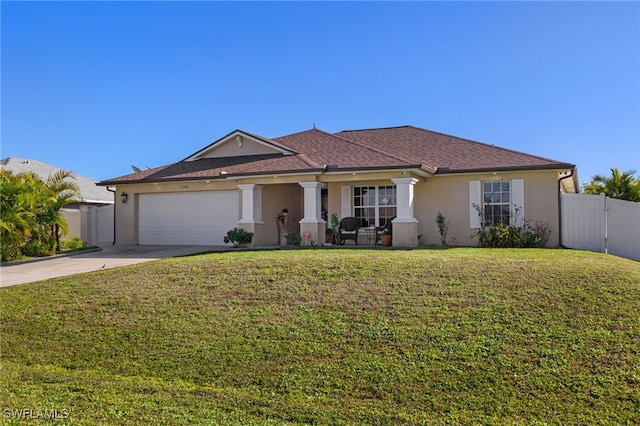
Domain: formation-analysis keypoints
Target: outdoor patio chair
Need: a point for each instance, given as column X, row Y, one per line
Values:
column 348, row 230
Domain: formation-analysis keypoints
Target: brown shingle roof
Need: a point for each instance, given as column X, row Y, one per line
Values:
column 350, row 150
column 447, row 154
column 214, row 168
column 327, row 149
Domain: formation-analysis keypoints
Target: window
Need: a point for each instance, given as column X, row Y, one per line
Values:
column 496, row 202
column 500, row 201
column 374, row 205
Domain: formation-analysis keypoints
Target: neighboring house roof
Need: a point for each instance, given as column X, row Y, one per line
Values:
column 314, row 150
column 89, row 192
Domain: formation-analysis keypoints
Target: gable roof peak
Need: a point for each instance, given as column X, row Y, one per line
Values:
column 266, row 144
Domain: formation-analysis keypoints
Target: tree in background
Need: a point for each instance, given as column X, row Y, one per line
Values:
column 30, row 219
column 623, row 186
column 59, row 192
column 17, row 212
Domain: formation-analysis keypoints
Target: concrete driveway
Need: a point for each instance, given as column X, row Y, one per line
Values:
column 108, row 257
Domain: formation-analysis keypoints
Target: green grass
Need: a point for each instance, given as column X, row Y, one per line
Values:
column 457, row 336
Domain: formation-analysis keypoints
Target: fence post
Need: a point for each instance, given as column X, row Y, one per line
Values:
column 606, row 226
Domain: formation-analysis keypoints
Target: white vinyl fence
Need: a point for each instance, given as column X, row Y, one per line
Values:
column 102, row 225
column 93, row 225
column 602, row 224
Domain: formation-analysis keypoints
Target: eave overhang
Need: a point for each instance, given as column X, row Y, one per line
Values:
column 418, row 169
column 558, row 167
column 327, row 169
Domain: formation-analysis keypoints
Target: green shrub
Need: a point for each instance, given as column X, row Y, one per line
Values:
column 502, row 235
column 10, row 251
column 509, row 236
column 293, row 239
column 72, row 244
column 38, row 247
column 335, row 223
column 443, row 228
column 238, row 237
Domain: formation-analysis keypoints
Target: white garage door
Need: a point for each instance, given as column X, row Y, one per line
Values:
column 185, row 218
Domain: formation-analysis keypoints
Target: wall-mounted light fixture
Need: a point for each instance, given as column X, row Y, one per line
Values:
column 124, row 197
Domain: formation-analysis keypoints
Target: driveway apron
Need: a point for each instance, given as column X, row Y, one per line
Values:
column 108, row 257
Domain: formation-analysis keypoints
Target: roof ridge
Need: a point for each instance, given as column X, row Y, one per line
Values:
column 301, row 131
column 350, row 141
column 375, row 128
column 379, row 151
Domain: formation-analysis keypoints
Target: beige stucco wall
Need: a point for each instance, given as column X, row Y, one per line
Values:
column 277, row 194
column 447, row 194
column 450, row 196
column 275, row 198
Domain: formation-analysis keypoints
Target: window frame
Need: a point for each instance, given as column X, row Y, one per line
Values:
column 497, row 202
column 384, row 206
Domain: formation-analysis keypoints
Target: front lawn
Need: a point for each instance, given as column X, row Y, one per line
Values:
column 456, row 336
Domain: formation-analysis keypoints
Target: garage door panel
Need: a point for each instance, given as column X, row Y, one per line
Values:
column 201, row 218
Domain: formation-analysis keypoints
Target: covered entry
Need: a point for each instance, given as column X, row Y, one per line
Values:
column 187, row 218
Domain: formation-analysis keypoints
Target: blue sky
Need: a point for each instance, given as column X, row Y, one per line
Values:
column 95, row 87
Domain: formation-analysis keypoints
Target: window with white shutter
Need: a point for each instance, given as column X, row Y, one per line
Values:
column 496, row 202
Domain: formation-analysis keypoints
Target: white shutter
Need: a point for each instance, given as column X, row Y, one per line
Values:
column 517, row 199
column 475, row 202
column 346, row 202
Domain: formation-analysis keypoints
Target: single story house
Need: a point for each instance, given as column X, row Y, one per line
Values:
column 405, row 175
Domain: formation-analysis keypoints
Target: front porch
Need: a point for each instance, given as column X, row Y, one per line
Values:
column 263, row 206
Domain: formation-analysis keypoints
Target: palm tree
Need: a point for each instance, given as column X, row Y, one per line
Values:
column 17, row 211
column 58, row 192
column 30, row 211
column 622, row 186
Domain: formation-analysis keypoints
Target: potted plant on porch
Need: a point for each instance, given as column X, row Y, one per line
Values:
column 385, row 236
column 332, row 231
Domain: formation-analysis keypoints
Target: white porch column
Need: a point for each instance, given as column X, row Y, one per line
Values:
column 312, row 196
column 312, row 221
column 404, row 201
column 251, row 219
column 251, row 203
column 405, row 225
